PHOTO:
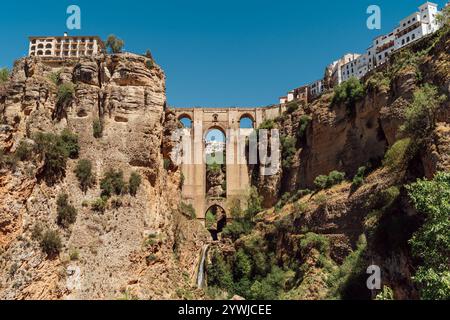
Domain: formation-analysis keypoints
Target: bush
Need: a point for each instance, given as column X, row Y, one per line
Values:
column 188, row 210
column 113, row 183
column 210, row 220
column 51, row 243
column 55, row 77
column 358, row 179
column 304, row 123
column 348, row 93
column 378, row 82
column 313, row 240
column 83, row 171
column 149, row 64
column 288, row 151
column 114, row 44
column 321, row 182
column 67, row 214
column 24, row 151
column 55, row 150
column 325, row 182
column 4, row 75
column 267, row 125
column 292, row 107
column 431, row 243
column 420, row 116
column 65, row 94
column 99, row 205
column 70, row 142
column 134, row 183
column 97, row 128
column 399, row 155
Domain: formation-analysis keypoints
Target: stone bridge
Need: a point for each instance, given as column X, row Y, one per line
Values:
column 237, row 175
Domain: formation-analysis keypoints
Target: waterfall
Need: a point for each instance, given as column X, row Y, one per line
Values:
column 201, row 267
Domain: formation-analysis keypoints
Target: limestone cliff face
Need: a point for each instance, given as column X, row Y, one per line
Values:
column 126, row 93
column 337, row 140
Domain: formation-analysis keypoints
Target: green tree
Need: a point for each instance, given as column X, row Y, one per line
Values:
column 83, row 171
column 114, row 44
column 420, row 116
column 113, row 183
column 431, row 243
column 349, row 92
column 242, row 266
column 54, row 151
column 67, row 214
column 4, row 75
column 66, row 92
column 134, row 183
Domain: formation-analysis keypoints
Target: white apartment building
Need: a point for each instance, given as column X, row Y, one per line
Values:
column 343, row 68
column 65, row 46
column 417, row 25
column 382, row 47
column 316, row 88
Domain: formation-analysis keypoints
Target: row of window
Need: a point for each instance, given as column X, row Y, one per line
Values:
column 64, row 41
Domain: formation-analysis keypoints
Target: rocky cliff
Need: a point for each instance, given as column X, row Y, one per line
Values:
column 317, row 238
column 141, row 246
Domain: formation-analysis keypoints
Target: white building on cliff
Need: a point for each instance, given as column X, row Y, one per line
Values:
column 65, row 46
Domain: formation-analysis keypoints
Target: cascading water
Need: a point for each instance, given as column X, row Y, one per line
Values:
column 201, row 267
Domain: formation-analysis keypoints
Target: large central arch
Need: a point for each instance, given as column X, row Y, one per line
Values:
column 237, row 175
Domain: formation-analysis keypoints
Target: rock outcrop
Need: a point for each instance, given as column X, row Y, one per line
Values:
column 140, row 247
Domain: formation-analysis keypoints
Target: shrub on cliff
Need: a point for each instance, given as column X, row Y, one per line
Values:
column 113, row 183
column 399, row 155
column 66, row 91
column 358, row 179
column 99, row 205
column 134, row 183
column 349, row 92
column 305, row 120
column 51, row 242
column 4, row 75
column 97, row 128
column 288, row 151
column 83, row 171
column 114, row 44
column 24, row 151
column 431, row 243
column 70, row 142
column 54, row 151
column 325, row 182
column 420, row 116
column 67, row 214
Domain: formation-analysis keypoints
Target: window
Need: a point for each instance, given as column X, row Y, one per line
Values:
column 385, row 54
column 403, row 41
column 407, row 39
column 413, row 36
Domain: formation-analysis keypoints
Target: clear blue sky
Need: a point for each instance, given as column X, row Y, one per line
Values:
column 215, row 53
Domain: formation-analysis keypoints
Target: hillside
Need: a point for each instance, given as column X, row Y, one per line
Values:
column 345, row 198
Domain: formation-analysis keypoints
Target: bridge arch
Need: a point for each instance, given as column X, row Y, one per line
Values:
column 215, row 219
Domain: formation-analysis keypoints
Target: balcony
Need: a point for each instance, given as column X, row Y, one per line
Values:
column 407, row 30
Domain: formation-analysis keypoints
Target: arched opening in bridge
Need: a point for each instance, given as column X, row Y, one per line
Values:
column 246, row 122
column 185, row 121
column 215, row 160
column 215, row 221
